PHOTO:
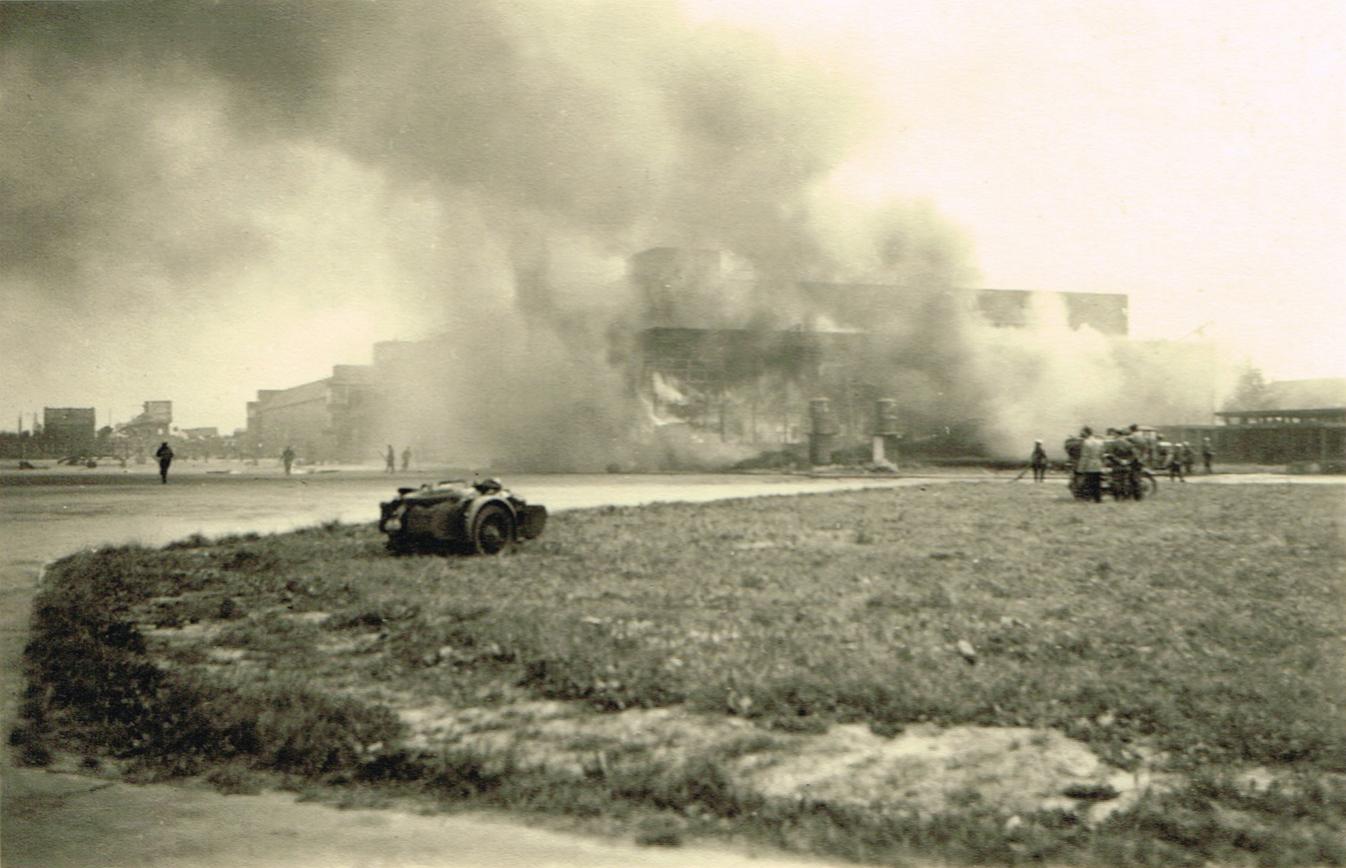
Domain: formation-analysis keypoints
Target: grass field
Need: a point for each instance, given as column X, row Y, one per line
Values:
column 687, row 669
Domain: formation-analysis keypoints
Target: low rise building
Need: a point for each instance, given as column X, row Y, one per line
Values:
column 325, row 420
column 1296, row 422
column 68, row 430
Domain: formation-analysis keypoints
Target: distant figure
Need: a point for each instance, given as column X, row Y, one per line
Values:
column 390, row 460
column 1163, row 455
column 165, row 455
column 1090, row 465
column 1039, row 461
column 1188, row 458
column 287, row 458
column 1175, row 464
column 406, row 458
column 1127, row 482
column 1207, row 453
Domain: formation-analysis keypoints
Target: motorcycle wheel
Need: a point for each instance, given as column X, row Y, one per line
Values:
column 493, row 530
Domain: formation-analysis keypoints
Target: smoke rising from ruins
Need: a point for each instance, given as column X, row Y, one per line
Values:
column 477, row 170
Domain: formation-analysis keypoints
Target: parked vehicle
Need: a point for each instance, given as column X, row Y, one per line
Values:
column 456, row 515
column 1120, row 480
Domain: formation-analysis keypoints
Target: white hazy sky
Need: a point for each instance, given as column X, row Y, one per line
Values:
column 1190, row 154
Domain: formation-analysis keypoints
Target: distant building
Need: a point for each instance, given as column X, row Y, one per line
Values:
column 325, row 420
column 155, row 420
column 68, row 430
column 1298, row 422
column 700, row 355
column 851, row 342
column 142, row 434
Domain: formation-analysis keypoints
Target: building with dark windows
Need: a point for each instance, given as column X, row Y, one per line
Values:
column 68, row 430
column 1296, row 422
column 326, row 420
column 701, row 354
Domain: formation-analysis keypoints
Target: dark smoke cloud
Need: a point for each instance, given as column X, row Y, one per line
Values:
column 500, row 161
column 615, row 119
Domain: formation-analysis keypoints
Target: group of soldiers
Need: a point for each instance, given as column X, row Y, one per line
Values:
column 1122, row 458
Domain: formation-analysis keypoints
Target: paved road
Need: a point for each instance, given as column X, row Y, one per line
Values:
column 52, row 820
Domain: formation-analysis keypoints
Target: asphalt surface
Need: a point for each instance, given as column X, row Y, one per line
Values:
column 52, row 820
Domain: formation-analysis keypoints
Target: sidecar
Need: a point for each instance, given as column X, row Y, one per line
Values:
column 456, row 515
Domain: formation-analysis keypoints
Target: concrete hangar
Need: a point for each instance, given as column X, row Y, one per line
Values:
column 851, row 343
column 698, row 361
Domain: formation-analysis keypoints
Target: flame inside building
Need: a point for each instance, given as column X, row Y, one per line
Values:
column 698, row 375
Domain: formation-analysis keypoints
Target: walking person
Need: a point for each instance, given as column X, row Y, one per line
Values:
column 1188, row 458
column 406, row 459
column 287, row 458
column 1090, row 466
column 390, row 460
column 1207, row 453
column 1038, row 460
column 165, row 455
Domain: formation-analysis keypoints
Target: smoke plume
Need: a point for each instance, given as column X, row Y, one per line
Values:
column 237, row 193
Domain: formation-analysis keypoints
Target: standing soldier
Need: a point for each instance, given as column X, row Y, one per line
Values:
column 1039, row 461
column 1126, row 481
column 1090, row 465
column 287, row 458
column 165, row 455
column 1188, row 458
column 1140, row 444
column 1175, row 463
column 406, row 458
column 390, row 460
column 1207, row 453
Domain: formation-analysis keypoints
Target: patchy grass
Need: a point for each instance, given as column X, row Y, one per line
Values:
column 1205, row 627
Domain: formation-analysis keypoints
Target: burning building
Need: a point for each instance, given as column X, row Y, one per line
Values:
column 854, row 343
column 696, row 376
column 491, row 158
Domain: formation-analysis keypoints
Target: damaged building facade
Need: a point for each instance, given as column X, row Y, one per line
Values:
column 701, row 366
column 836, row 348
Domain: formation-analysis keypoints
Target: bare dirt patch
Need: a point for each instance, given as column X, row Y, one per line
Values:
column 926, row 770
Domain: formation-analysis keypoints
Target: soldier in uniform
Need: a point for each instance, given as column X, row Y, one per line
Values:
column 1126, row 482
column 1175, row 464
column 1163, row 455
column 165, row 455
column 1140, row 443
column 1207, row 453
column 287, row 458
column 1038, row 460
column 1188, row 458
column 1090, row 465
